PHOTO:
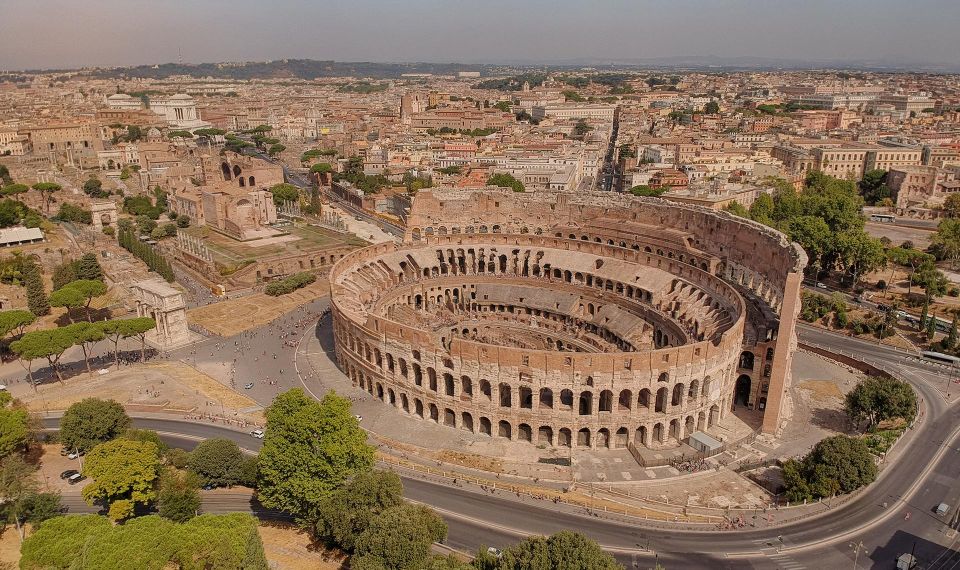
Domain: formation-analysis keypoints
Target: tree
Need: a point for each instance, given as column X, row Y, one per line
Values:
column 399, row 538
column 93, row 187
column 858, row 253
column 310, row 449
column 85, row 335
column 37, row 300
column 5, row 178
column 91, row 422
column 17, row 485
column 735, row 208
column 505, row 180
column 814, row 236
column 276, row 149
column 348, row 512
column 118, row 329
column 14, row 429
column 711, row 108
column 284, row 193
column 838, row 464
column 14, row 191
column 951, row 341
column 952, row 205
column 933, row 282
column 183, row 222
column 15, row 321
column 908, row 257
column 46, row 190
column 217, row 461
column 63, row 274
column 565, row 549
column 68, row 298
column 121, row 470
column 876, row 399
column 873, row 186
column 88, row 268
column 945, row 243
column 48, row 343
column 179, row 496
column 644, row 190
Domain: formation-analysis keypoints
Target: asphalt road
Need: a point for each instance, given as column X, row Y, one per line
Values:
column 922, row 478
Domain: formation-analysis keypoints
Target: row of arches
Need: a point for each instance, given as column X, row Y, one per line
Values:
column 648, row 435
column 588, row 402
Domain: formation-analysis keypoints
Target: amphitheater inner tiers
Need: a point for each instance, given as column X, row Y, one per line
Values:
column 593, row 321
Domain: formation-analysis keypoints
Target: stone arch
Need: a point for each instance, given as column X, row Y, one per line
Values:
column 690, row 426
column 524, row 433
column 583, row 438
column 485, row 389
column 714, row 416
column 485, row 426
column 742, row 389
column 545, row 435
column 566, row 399
column 434, row 413
column 677, row 398
column 449, row 418
column 466, row 422
column 466, row 387
column 661, row 403
column 546, row 398
column 606, row 401
column 564, row 439
column 622, row 438
column 404, row 403
column 644, row 398
column 658, row 432
column 625, row 401
column 504, row 429
column 747, row 359
column 418, row 407
column 505, row 395
column 640, row 436
column 694, row 390
column 603, row 438
column 585, row 406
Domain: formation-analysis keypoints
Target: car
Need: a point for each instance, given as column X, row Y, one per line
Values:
column 248, row 385
column 64, row 451
column 3, row 387
column 209, row 487
column 358, row 218
column 75, row 455
column 821, row 285
column 68, row 473
column 359, row 417
column 75, row 478
column 257, row 433
column 495, row 552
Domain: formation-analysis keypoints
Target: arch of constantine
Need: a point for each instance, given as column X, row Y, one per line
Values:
column 594, row 320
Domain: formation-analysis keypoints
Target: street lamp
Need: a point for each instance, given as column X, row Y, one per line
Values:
column 857, row 548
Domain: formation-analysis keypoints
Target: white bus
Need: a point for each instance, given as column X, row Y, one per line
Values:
column 940, row 357
column 883, row 218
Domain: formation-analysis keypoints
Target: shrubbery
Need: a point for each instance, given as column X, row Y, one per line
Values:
column 290, row 284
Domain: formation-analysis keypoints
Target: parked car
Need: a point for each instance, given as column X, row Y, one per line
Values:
column 64, row 451
column 359, row 417
column 248, row 385
column 75, row 454
column 75, row 478
column 257, row 433
column 68, row 473
column 821, row 285
column 3, row 387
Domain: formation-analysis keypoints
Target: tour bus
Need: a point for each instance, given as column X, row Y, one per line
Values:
column 884, row 218
column 940, row 357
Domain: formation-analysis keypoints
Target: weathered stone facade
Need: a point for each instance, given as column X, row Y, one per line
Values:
column 592, row 320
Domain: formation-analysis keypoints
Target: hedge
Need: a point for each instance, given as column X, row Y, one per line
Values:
column 290, row 284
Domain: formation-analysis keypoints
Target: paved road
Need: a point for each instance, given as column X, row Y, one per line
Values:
column 923, row 477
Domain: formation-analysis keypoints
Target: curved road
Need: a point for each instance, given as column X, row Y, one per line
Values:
column 923, row 476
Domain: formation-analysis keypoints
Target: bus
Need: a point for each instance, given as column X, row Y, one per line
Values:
column 940, row 357
column 883, row 218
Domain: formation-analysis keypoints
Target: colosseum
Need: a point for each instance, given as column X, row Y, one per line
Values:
column 595, row 320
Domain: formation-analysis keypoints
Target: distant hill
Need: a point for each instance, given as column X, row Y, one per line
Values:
column 285, row 69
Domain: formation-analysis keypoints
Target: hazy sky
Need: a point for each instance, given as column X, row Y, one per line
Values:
column 69, row 33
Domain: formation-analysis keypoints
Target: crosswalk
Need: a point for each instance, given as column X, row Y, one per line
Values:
column 782, row 561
